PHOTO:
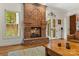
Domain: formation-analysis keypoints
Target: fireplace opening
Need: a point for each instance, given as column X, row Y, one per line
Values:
column 35, row 32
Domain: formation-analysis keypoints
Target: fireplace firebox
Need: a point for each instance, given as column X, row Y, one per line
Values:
column 35, row 32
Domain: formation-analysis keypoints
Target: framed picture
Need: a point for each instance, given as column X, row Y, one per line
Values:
column 59, row 21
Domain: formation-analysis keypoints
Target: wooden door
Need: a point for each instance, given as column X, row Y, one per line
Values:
column 72, row 24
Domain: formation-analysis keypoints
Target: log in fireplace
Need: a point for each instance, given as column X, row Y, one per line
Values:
column 35, row 32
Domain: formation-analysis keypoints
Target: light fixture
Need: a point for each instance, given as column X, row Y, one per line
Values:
column 52, row 14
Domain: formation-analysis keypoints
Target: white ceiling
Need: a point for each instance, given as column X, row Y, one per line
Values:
column 64, row 6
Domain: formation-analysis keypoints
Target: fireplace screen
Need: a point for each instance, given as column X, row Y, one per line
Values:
column 35, row 32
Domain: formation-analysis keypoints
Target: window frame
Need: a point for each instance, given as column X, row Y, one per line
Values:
column 19, row 30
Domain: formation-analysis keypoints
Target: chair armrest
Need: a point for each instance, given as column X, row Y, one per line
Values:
column 71, row 36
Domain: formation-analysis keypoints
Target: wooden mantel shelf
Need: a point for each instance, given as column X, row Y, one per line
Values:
column 52, row 48
column 38, row 40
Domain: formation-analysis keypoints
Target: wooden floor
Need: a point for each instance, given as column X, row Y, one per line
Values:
column 4, row 50
column 51, row 48
column 54, row 49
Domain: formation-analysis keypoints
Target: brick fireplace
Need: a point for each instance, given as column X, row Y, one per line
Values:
column 34, row 20
column 35, row 32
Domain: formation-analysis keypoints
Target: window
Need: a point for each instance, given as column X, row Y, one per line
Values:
column 49, row 27
column 12, row 24
column 54, row 27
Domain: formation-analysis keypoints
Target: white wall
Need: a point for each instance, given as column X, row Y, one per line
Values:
column 60, row 14
column 69, row 13
column 67, row 21
column 11, row 7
